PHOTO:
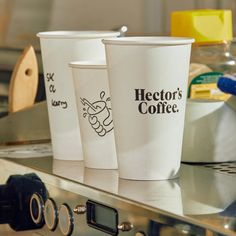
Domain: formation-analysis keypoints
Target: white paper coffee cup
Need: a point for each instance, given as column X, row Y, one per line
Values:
column 95, row 115
column 148, row 85
column 58, row 49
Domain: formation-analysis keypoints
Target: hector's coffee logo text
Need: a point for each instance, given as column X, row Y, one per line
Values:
column 164, row 101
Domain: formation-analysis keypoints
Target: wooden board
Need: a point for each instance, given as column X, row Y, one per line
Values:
column 24, row 81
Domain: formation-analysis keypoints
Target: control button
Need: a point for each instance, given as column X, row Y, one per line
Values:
column 36, row 208
column 66, row 220
column 51, row 214
column 125, row 226
column 80, row 209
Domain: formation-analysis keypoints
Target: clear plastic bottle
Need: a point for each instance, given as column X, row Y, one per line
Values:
column 216, row 56
column 211, row 56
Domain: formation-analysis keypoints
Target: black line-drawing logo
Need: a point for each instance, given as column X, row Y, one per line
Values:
column 98, row 114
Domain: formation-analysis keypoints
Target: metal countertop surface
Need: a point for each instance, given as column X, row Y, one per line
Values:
column 202, row 195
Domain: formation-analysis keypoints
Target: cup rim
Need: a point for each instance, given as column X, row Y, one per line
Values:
column 77, row 34
column 99, row 64
column 149, row 40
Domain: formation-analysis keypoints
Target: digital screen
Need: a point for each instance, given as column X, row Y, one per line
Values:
column 102, row 217
column 105, row 216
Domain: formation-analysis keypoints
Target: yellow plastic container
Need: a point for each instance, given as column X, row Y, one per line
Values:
column 212, row 31
column 206, row 26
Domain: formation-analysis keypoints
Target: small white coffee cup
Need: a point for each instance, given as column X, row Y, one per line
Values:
column 95, row 115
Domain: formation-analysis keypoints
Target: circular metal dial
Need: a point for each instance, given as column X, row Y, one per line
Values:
column 36, row 208
column 50, row 214
column 66, row 220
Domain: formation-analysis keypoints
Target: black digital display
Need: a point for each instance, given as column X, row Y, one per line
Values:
column 102, row 217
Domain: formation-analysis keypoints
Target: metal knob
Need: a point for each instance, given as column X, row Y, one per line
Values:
column 80, row 209
column 51, row 214
column 66, row 220
column 36, row 208
column 125, row 226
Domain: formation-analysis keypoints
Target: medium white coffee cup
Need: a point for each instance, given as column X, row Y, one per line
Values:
column 94, row 110
column 148, row 85
column 58, row 49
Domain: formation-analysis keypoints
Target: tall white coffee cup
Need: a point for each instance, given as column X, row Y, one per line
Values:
column 58, row 49
column 148, row 85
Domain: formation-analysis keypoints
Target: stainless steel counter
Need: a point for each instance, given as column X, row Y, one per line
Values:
column 201, row 199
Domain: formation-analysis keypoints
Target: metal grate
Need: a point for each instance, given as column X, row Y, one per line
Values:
column 228, row 168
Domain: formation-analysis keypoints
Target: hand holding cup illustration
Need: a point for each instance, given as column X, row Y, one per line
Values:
column 98, row 114
column 95, row 114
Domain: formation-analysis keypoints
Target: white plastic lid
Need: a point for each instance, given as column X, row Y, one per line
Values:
column 77, row 34
column 154, row 40
column 93, row 64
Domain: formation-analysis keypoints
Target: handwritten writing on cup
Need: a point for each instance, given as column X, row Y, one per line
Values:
column 52, row 89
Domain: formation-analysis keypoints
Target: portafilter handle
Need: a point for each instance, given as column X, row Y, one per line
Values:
column 15, row 201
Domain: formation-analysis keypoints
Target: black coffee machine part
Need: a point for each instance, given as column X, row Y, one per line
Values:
column 15, row 198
